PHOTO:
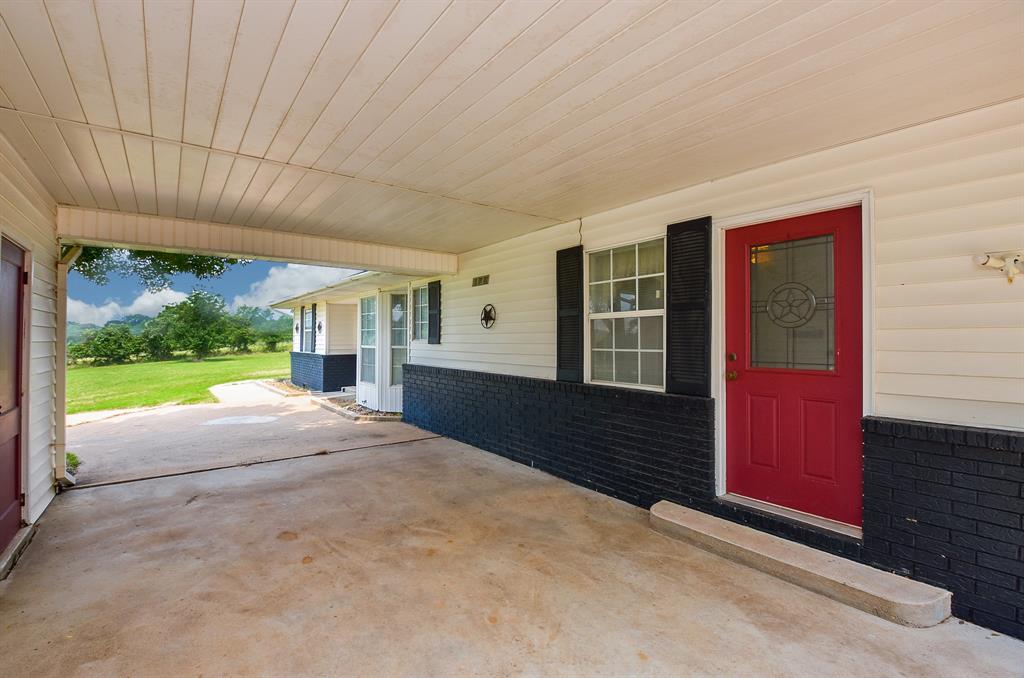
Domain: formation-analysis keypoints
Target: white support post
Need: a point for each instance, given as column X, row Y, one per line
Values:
column 60, row 468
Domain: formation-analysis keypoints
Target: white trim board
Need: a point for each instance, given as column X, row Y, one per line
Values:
column 865, row 199
column 100, row 227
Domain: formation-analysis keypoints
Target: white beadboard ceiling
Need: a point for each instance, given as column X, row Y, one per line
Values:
column 448, row 125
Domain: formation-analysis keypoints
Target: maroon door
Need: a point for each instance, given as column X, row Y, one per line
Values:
column 11, row 267
column 793, row 363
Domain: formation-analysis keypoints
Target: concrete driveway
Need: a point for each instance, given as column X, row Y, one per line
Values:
column 428, row 558
column 249, row 425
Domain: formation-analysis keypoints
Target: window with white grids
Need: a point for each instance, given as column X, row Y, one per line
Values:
column 626, row 314
column 421, row 307
column 307, row 331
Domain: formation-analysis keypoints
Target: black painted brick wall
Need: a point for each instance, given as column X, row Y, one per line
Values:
column 323, row 372
column 944, row 504
column 636, row 446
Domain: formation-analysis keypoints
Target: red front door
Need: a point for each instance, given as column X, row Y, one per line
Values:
column 11, row 266
column 793, row 363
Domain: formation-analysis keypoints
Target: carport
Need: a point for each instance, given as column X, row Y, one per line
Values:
column 422, row 558
column 747, row 258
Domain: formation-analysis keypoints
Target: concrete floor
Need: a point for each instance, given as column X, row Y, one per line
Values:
column 419, row 559
column 250, row 425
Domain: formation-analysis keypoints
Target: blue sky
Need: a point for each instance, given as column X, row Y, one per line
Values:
column 256, row 284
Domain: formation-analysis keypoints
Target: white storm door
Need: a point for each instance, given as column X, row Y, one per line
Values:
column 396, row 349
column 366, row 382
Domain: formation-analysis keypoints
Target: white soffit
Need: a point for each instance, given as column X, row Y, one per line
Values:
column 349, row 290
column 451, row 125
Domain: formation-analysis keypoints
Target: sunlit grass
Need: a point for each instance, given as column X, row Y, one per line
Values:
column 157, row 383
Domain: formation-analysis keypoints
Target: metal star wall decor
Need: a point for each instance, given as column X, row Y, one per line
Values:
column 488, row 317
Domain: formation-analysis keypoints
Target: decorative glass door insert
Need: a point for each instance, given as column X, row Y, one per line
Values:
column 792, row 304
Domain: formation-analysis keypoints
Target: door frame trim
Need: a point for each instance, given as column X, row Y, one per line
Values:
column 28, row 266
column 863, row 198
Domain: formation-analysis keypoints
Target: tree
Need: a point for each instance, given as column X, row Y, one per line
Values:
column 239, row 334
column 255, row 317
column 198, row 325
column 112, row 344
column 156, row 343
column 155, row 269
column 270, row 338
column 270, row 328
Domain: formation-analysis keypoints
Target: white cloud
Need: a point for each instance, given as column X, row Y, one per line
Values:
column 280, row 283
column 147, row 303
column 287, row 281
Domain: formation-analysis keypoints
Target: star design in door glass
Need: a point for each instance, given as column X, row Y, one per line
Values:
column 791, row 304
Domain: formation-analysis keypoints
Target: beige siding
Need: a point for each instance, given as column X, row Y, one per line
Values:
column 297, row 328
column 949, row 336
column 341, row 328
column 27, row 216
column 521, row 288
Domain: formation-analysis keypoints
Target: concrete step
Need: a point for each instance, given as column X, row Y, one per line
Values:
column 883, row 594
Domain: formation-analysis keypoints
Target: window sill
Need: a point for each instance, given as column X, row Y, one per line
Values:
column 627, row 387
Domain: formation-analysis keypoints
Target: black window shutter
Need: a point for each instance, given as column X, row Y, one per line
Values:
column 569, row 328
column 434, row 312
column 688, row 308
column 312, row 312
column 302, row 328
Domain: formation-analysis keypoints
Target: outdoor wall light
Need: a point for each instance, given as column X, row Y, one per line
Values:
column 1007, row 262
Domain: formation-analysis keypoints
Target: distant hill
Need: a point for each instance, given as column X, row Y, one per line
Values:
column 77, row 331
column 134, row 322
column 261, row 319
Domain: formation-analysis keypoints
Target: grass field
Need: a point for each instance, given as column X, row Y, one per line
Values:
column 173, row 381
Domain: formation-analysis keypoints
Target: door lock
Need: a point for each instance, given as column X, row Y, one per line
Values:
column 732, row 375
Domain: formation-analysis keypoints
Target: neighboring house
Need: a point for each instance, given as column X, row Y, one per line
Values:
column 743, row 277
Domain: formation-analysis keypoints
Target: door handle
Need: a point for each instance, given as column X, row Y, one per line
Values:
column 732, row 375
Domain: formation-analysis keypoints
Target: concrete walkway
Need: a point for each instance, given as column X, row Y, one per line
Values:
column 235, row 393
column 245, row 393
column 250, row 425
column 428, row 558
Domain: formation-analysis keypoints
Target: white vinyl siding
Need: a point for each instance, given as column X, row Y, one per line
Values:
column 949, row 335
column 27, row 217
column 340, row 328
column 522, row 290
column 297, row 329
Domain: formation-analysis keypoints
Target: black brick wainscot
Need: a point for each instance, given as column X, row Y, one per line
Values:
column 323, row 372
column 942, row 504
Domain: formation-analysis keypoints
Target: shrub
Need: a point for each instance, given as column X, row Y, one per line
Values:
column 109, row 345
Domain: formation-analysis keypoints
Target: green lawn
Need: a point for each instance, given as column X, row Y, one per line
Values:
column 173, row 381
